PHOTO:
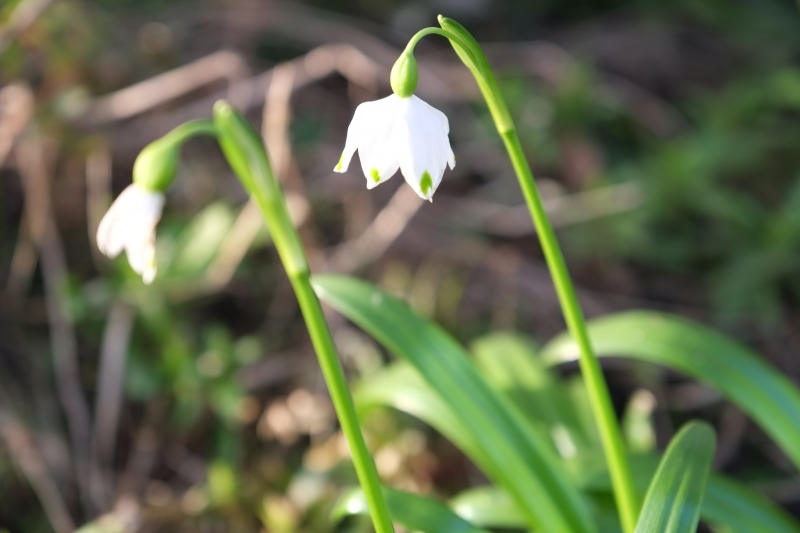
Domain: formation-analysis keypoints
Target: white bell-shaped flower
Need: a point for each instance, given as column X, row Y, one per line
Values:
column 130, row 224
column 404, row 133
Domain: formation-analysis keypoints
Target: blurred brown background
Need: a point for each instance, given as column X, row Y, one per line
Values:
column 664, row 138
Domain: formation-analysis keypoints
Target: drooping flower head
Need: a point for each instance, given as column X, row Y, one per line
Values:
column 400, row 132
column 130, row 225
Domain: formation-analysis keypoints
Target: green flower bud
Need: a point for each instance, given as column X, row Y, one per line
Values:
column 157, row 164
column 404, row 75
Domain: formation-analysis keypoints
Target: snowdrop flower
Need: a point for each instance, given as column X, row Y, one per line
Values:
column 130, row 224
column 400, row 131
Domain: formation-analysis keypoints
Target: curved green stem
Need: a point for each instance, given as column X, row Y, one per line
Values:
column 191, row 129
column 245, row 152
column 625, row 494
column 429, row 31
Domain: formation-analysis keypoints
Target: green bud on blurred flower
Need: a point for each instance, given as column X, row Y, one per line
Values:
column 157, row 164
column 404, row 75
column 130, row 223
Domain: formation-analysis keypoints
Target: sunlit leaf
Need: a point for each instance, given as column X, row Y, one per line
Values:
column 675, row 496
column 510, row 364
column 735, row 371
column 727, row 504
column 415, row 512
column 516, row 455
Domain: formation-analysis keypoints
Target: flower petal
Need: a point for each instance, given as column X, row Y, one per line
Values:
column 451, row 158
column 360, row 132
column 441, row 116
column 425, row 148
column 377, row 152
column 106, row 241
column 404, row 133
column 380, row 163
column 130, row 224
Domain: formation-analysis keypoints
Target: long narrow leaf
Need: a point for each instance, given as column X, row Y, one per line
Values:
column 735, row 371
column 510, row 365
column 727, row 503
column 517, row 457
column 488, row 506
column 401, row 387
column 491, row 507
column 415, row 512
column 675, row 496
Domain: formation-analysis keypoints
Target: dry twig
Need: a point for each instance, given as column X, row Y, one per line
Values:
column 16, row 107
column 109, row 400
column 26, row 455
column 98, row 193
column 160, row 89
column 377, row 238
column 22, row 17
column 36, row 184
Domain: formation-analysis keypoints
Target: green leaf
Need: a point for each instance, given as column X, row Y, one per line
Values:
column 514, row 454
column 492, row 507
column 637, row 422
column 510, row 364
column 742, row 510
column 401, row 387
column 735, row 371
column 415, row 512
column 201, row 240
column 675, row 496
column 488, row 506
column 727, row 503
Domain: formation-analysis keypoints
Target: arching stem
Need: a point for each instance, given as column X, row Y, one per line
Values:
column 245, row 152
column 625, row 494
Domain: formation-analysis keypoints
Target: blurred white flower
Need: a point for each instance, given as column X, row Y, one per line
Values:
column 130, row 224
column 404, row 133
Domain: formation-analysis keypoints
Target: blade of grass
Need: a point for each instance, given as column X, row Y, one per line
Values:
column 415, row 512
column 704, row 354
column 516, row 456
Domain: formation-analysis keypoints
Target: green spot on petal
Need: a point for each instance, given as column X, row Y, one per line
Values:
column 375, row 175
column 339, row 165
column 426, row 183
